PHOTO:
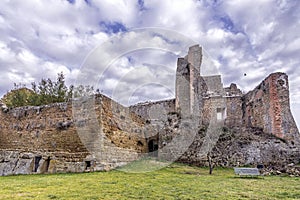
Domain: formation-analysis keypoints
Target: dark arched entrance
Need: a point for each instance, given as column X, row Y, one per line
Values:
column 152, row 147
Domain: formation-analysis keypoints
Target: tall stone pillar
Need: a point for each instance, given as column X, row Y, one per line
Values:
column 194, row 57
column 188, row 94
column 183, row 102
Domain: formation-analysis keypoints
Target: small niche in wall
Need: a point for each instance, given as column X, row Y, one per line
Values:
column 37, row 160
column 153, row 148
column 47, row 164
column 139, row 143
column 88, row 164
column 44, row 168
column 281, row 82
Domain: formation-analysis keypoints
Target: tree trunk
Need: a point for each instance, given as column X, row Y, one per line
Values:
column 210, row 163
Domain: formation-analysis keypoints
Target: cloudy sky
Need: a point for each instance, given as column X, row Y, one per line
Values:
column 39, row 39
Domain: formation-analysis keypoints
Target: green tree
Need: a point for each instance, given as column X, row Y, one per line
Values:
column 60, row 89
column 34, row 99
column 45, row 92
column 18, row 96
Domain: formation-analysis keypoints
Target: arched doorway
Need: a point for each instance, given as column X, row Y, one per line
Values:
column 153, row 147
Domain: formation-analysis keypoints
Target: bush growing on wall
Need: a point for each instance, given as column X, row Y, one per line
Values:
column 45, row 92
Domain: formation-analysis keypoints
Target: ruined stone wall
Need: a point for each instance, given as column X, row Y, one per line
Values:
column 211, row 106
column 236, row 146
column 154, row 110
column 214, row 85
column 122, row 127
column 45, row 139
column 214, row 108
column 155, row 115
column 268, row 107
column 254, row 126
column 45, row 133
column 243, row 129
column 244, row 146
column 46, row 128
column 233, row 90
column 234, row 111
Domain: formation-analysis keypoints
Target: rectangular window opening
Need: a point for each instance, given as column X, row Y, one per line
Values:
column 221, row 115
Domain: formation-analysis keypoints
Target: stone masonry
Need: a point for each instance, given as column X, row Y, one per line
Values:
column 258, row 127
column 45, row 139
column 96, row 133
column 266, row 107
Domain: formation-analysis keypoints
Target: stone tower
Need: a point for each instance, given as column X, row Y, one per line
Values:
column 188, row 82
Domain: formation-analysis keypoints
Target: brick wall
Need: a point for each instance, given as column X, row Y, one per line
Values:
column 268, row 107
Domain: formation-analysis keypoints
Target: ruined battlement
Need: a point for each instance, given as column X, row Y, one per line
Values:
column 214, row 85
column 232, row 91
column 266, row 107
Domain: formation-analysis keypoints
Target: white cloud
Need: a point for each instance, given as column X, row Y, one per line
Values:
column 124, row 11
column 293, row 46
column 39, row 39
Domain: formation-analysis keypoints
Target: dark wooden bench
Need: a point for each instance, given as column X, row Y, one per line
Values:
column 246, row 171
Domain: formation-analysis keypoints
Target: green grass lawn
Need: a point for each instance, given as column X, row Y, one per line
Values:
column 176, row 181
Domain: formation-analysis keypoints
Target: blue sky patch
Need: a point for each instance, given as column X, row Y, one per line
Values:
column 88, row 2
column 141, row 4
column 227, row 23
column 71, row 1
column 112, row 27
column 165, row 39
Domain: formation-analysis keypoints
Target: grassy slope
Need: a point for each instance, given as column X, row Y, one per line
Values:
column 174, row 182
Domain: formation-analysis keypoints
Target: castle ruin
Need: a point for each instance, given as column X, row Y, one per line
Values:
column 252, row 128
